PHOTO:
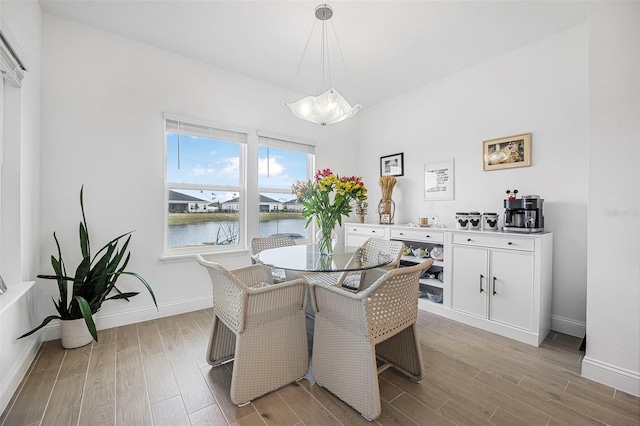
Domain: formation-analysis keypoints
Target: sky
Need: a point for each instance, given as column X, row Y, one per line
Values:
column 208, row 161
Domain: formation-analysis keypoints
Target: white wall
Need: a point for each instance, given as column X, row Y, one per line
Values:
column 103, row 100
column 21, row 22
column 103, row 96
column 613, row 292
column 542, row 89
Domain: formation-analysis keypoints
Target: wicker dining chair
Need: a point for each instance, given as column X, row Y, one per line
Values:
column 259, row 325
column 259, row 244
column 369, row 252
column 353, row 330
column 371, row 249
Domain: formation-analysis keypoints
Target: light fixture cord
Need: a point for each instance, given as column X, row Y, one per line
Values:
column 325, row 57
column 344, row 63
column 178, row 145
column 305, row 49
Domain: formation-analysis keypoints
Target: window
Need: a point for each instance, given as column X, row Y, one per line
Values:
column 204, row 184
column 280, row 164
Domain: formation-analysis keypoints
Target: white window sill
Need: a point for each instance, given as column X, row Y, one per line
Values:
column 187, row 257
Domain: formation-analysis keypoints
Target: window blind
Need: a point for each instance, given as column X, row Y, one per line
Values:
column 10, row 65
column 204, row 131
column 306, row 147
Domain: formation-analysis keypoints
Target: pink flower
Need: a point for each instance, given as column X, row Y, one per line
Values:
column 322, row 173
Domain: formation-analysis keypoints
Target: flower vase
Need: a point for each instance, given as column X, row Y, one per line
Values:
column 386, row 211
column 326, row 240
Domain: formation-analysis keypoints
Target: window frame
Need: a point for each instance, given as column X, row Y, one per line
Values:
column 241, row 189
column 288, row 143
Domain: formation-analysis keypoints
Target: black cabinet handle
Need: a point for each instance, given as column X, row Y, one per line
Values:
column 468, row 239
column 494, row 286
column 428, row 236
column 509, row 243
column 402, row 233
column 481, row 278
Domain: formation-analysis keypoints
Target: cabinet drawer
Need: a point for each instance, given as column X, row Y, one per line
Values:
column 494, row 241
column 371, row 231
column 418, row 235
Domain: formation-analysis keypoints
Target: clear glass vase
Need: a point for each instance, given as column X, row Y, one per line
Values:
column 326, row 240
column 386, row 211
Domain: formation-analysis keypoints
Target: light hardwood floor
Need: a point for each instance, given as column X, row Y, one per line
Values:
column 155, row 373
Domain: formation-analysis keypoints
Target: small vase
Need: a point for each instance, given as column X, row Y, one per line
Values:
column 386, row 211
column 74, row 333
column 326, row 241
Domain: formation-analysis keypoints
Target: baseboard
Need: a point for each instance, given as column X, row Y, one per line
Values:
column 18, row 373
column 117, row 319
column 610, row 375
column 568, row 326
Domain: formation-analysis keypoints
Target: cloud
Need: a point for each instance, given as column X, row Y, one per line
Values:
column 227, row 167
column 202, row 171
column 275, row 169
column 231, row 166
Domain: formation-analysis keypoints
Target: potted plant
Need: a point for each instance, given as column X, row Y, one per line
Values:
column 92, row 284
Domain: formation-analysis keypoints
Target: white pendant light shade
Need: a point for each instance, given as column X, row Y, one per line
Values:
column 328, row 108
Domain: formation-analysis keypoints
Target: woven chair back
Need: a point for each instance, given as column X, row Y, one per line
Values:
column 391, row 302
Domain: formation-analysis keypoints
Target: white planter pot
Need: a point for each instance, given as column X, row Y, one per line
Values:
column 74, row 333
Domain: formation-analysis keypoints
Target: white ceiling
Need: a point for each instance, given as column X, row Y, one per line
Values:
column 389, row 47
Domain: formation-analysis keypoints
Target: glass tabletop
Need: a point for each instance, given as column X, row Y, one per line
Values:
column 306, row 258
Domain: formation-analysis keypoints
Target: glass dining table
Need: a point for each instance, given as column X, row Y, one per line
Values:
column 305, row 258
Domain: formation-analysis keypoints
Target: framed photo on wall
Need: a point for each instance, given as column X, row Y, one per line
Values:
column 507, row 153
column 392, row 165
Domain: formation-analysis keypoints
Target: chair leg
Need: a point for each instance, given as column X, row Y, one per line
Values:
column 403, row 351
column 344, row 364
column 222, row 343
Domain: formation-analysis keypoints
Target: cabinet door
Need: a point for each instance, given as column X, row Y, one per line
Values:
column 511, row 289
column 356, row 240
column 469, row 281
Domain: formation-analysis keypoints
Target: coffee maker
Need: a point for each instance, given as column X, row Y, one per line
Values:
column 523, row 214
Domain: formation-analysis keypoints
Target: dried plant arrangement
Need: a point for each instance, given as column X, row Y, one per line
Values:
column 386, row 184
column 386, row 207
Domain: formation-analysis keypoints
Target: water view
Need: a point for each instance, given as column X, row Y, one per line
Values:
column 197, row 234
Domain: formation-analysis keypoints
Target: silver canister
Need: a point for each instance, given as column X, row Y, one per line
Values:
column 475, row 221
column 462, row 220
column 490, row 221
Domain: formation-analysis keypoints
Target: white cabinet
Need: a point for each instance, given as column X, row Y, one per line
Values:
column 357, row 234
column 470, row 272
column 500, row 282
column 494, row 284
column 511, row 293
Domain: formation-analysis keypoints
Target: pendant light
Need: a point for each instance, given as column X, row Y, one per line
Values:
column 330, row 106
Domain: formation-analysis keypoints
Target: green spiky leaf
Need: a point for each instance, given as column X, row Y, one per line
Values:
column 46, row 321
column 87, row 315
column 95, row 277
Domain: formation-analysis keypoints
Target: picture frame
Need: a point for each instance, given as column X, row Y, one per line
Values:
column 439, row 180
column 507, row 153
column 392, row 165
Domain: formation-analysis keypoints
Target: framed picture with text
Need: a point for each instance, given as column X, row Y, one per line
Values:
column 392, row 165
column 439, row 180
